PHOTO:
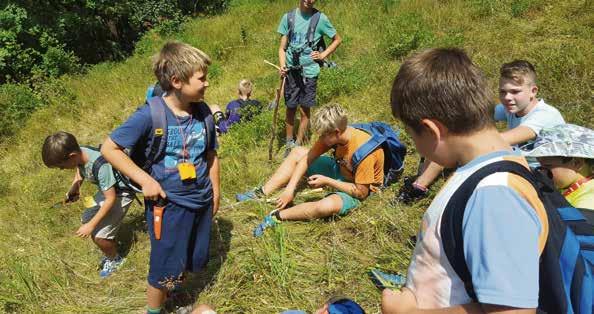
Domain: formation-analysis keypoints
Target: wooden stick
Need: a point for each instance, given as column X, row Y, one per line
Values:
column 272, row 64
column 277, row 97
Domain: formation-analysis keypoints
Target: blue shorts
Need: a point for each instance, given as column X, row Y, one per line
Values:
column 327, row 166
column 184, row 244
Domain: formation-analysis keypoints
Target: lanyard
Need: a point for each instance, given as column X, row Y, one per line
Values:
column 574, row 186
column 182, row 131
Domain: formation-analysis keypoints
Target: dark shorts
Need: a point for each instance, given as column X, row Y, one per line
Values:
column 184, row 243
column 300, row 90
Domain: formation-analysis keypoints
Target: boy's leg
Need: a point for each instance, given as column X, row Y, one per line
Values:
column 290, row 123
column 293, row 85
column 304, row 113
column 283, row 174
column 109, row 247
column 155, row 297
column 326, row 207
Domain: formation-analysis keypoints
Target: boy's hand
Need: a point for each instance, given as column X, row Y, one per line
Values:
column 85, row 230
column 316, row 55
column 72, row 196
column 284, row 199
column 317, row 181
column 398, row 302
column 283, row 71
column 152, row 190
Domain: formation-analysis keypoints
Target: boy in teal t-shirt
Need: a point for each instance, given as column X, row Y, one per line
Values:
column 299, row 59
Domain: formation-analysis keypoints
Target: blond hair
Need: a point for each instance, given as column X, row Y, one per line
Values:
column 519, row 71
column 245, row 87
column 180, row 60
column 329, row 118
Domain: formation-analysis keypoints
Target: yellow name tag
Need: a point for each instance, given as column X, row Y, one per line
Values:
column 186, row 171
column 89, row 202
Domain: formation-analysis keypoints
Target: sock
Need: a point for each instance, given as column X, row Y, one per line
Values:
column 259, row 191
column 150, row 310
column 276, row 215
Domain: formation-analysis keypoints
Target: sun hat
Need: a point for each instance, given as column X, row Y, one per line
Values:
column 565, row 140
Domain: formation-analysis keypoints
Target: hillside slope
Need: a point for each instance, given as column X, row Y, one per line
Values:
column 45, row 268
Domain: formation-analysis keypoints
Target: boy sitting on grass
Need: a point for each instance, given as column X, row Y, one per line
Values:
column 187, row 175
column 502, row 235
column 106, row 210
column 240, row 110
column 525, row 115
column 331, row 124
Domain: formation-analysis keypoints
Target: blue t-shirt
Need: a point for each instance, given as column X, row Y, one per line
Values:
column 193, row 194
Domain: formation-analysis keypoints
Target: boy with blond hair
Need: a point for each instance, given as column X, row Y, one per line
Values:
column 105, row 211
column 444, row 101
column 185, row 177
column 331, row 124
column 242, row 109
column 525, row 115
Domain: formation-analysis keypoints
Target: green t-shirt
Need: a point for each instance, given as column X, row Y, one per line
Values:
column 106, row 178
column 583, row 197
column 299, row 40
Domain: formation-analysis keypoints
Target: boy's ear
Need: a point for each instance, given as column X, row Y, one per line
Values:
column 176, row 83
column 435, row 128
column 534, row 89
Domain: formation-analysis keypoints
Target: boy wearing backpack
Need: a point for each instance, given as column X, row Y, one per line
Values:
column 300, row 53
column 242, row 109
column 105, row 211
column 181, row 184
column 524, row 113
column 352, row 183
column 503, row 226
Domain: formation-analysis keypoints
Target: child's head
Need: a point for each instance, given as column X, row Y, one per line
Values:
column 565, row 153
column 245, row 88
column 440, row 91
column 180, row 63
column 517, row 86
column 330, row 121
column 60, row 150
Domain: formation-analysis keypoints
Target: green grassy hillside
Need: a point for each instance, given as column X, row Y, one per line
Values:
column 45, row 268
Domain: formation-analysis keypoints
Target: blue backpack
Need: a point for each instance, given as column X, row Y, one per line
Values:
column 382, row 135
column 567, row 261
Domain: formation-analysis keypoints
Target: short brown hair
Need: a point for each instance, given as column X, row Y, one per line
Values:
column 519, row 71
column 328, row 118
column 245, row 87
column 57, row 147
column 180, row 60
column 442, row 84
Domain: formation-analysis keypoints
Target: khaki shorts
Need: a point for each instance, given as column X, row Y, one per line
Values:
column 109, row 225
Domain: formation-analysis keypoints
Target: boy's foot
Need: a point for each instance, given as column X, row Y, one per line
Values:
column 288, row 146
column 268, row 222
column 111, row 265
column 254, row 194
column 410, row 192
column 385, row 280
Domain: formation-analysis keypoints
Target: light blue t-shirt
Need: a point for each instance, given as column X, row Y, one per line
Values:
column 299, row 40
column 543, row 115
column 105, row 177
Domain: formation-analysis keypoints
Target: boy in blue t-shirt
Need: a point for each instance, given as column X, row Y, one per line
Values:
column 298, row 59
column 502, row 232
column 105, row 211
column 242, row 109
column 187, row 177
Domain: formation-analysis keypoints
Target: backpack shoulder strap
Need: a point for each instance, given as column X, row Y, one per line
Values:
column 206, row 114
column 290, row 26
column 97, row 164
column 311, row 29
column 364, row 150
column 453, row 215
column 158, row 137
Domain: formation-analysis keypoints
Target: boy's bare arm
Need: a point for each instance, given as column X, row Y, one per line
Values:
column 360, row 191
column 518, row 135
column 74, row 192
column 282, row 58
column 214, row 172
column 118, row 159
column 336, row 41
column 300, row 169
column 87, row 229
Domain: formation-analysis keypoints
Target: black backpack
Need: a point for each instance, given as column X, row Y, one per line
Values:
column 566, row 282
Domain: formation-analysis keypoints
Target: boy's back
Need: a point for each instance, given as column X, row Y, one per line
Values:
column 105, row 176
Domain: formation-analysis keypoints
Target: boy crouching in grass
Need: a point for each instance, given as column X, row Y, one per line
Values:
column 106, row 210
column 187, row 175
column 444, row 101
column 331, row 124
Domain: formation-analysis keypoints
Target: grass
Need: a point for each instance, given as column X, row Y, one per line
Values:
column 44, row 268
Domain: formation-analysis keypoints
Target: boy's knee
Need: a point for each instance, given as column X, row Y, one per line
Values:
column 328, row 206
column 298, row 152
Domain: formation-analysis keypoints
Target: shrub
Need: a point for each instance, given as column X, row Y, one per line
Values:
column 17, row 102
column 407, row 32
